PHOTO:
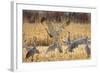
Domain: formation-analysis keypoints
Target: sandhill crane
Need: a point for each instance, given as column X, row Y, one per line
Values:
column 74, row 44
column 52, row 47
column 54, row 29
column 31, row 52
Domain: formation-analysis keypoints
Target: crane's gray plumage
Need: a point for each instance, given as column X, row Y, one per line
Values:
column 54, row 29
column 52, row 47
column 75, row 43
column 88, row 51
column 31, row 52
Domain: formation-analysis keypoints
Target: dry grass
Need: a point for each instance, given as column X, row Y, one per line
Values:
column 37, row 30
column 79, row 53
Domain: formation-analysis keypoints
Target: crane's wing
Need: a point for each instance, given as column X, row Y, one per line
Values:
column 50, row 29
column 28, row 54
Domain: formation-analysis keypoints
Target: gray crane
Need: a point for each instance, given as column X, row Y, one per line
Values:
column 52, row 47
column 54, row 29
column 31, row 50
column 74, row 44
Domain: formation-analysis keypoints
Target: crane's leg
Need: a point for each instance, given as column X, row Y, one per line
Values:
column 59, row 48
column 32, row 58
column 88, row 51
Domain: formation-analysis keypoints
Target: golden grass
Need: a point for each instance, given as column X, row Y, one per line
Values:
column 78, row 54
column 37, row 30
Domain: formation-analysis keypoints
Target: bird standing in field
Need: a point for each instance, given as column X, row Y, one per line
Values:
column 54, row 29
column 31, row 52
column 75, row 43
